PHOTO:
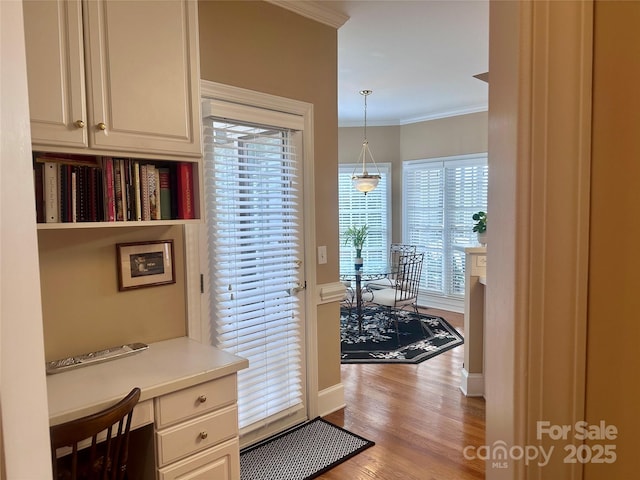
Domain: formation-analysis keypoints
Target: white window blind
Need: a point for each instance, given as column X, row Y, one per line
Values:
column 252, row 193
column 357, row 209
column 440, row 197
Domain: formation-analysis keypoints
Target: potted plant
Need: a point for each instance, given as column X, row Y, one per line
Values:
column 356, row 236
column 480, row 227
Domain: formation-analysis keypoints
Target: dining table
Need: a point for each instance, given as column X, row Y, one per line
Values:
column 357, row 277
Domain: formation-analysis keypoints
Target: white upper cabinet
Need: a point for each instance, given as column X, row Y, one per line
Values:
column 55, row 66
column 114, row 76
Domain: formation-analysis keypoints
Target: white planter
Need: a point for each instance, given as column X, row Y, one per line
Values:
column 482, row 238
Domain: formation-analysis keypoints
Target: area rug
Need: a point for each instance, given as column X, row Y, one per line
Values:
column 420, row 336
column 301, row 453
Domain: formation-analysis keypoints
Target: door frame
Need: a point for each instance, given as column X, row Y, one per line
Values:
column 197, row 286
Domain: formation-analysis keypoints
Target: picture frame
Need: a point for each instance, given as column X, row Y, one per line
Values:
column 145, row 264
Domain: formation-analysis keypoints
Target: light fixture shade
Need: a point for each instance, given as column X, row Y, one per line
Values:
column 365, row 182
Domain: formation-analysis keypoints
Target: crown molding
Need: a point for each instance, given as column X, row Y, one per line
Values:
column 314, row 10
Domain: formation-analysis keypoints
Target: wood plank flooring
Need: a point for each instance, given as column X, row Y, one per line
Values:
column 416, row 414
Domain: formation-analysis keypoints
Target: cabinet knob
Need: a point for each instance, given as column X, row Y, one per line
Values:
column 102, row 126
column 202, row 398
column 203, row 435
column 79, row 124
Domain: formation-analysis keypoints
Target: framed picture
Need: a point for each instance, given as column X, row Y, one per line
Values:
column 145, row 264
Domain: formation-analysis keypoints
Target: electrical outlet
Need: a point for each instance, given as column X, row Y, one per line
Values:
column 322, row 255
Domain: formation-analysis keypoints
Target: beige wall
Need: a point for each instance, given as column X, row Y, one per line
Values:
column 84, row 311
column 262, row 47
column 613, row 385
column 459, row 135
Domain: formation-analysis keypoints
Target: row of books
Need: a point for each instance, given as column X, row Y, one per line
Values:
column 107, row 189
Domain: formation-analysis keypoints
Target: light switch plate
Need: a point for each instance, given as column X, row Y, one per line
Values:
column 322, row 255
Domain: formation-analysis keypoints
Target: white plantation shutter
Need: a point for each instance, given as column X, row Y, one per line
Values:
column 440, row 198
column 357, row 209
column 253, row 199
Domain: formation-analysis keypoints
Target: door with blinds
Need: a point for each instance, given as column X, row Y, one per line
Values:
column 253, row 201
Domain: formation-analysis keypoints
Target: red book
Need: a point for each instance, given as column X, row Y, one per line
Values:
column 184, row 173
column 109, row 194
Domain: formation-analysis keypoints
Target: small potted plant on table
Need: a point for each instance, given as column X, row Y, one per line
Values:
column 356, row 236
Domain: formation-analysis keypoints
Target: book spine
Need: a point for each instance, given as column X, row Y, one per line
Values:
column 129, row 181
column 117, row 190
column 137, row 194
column 110, row 200
column 62, row 192
column 51, row 192
column 165, row 193
column 123, row 189
column 38, row 179
column 153, row 204
column 158, row 215
column 81, row 193
column 74, row 195
column 144, row 188
column 185, row 191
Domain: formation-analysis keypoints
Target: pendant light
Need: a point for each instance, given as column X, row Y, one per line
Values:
column 365, row 182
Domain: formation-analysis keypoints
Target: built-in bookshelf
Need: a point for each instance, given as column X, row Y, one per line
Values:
column 86, row 191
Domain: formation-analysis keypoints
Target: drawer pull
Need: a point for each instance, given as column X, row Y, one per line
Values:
column 202, row 398
column 203, row 435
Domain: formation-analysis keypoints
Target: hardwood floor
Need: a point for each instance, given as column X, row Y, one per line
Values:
column 416, row 415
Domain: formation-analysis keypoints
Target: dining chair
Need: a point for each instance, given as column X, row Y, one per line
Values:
column 92, row 458
column 404, row 291
column 395, row 251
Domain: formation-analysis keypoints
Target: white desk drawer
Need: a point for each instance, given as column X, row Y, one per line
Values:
column 177, row 442
column 221, row 462
column 195, row 400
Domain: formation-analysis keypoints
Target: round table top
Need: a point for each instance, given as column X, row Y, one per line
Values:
column 364, row 275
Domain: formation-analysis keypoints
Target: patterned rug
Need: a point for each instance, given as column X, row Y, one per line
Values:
column 419, row 337
column 302, row 453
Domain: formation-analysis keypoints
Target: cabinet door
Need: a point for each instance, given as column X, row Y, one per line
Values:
column 218, row 463
column 143, row 76
column 55, row 71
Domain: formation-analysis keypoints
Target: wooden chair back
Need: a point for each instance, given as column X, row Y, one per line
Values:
column 101, row 460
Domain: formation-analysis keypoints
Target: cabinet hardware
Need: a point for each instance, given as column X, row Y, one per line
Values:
column 202, row 398
column 102, row 126
column 203, row 435
column 79, row 124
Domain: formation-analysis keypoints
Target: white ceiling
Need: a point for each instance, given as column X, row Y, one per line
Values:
column 418, row 57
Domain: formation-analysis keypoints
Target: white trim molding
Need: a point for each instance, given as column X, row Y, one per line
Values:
column 330, row 292
column 472, row 384
column 314, row 10
column 539, row 178
column 331, row 399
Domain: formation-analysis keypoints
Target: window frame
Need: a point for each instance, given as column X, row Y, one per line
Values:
column 346, row 252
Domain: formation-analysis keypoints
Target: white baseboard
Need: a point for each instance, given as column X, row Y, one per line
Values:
column 331, row 399
column 442, row 303
column 472, row 384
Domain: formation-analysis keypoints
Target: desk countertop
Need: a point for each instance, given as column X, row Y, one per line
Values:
column 164, row 367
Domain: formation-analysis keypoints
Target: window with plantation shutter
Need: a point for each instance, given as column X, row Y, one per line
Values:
column 252, row 182
column 440, row 197
column 357, row 209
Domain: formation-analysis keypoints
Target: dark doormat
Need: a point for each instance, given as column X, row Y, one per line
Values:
column 301, row 453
